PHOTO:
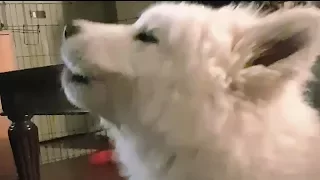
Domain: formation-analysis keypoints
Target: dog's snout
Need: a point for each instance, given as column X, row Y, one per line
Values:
column 70, row 30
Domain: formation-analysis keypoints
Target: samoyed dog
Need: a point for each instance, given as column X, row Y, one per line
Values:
column 183, row 101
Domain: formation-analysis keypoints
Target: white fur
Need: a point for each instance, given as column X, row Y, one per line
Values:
column 185, row 108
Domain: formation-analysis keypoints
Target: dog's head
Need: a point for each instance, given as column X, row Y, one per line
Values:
column 184, row 48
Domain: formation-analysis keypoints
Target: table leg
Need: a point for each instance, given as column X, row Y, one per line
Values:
column 23, row 136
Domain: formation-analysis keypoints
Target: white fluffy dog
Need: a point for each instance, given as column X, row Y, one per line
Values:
column 186, row 106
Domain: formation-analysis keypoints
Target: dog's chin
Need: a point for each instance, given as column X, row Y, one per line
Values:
column 84, row 92
column 75, row 87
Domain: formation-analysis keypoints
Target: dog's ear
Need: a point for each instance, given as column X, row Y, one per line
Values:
column 287, row 41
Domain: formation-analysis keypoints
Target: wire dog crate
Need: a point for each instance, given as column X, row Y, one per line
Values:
column 36, row 27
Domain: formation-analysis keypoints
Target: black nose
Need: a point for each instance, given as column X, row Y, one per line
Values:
column 70, row 30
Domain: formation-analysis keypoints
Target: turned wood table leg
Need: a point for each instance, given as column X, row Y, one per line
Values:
column 23, row 136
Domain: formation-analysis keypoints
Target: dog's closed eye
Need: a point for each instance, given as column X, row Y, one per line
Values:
column 146, row 37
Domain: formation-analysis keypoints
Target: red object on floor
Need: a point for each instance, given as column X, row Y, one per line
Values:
column 101, row 157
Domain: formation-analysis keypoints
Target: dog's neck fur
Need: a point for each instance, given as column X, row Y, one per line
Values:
column 234, row 120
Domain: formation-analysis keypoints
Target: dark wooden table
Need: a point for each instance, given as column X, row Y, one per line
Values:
column 26, row 93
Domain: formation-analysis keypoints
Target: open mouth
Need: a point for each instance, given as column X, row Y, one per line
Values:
column 80, row 79
column 76, row 78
